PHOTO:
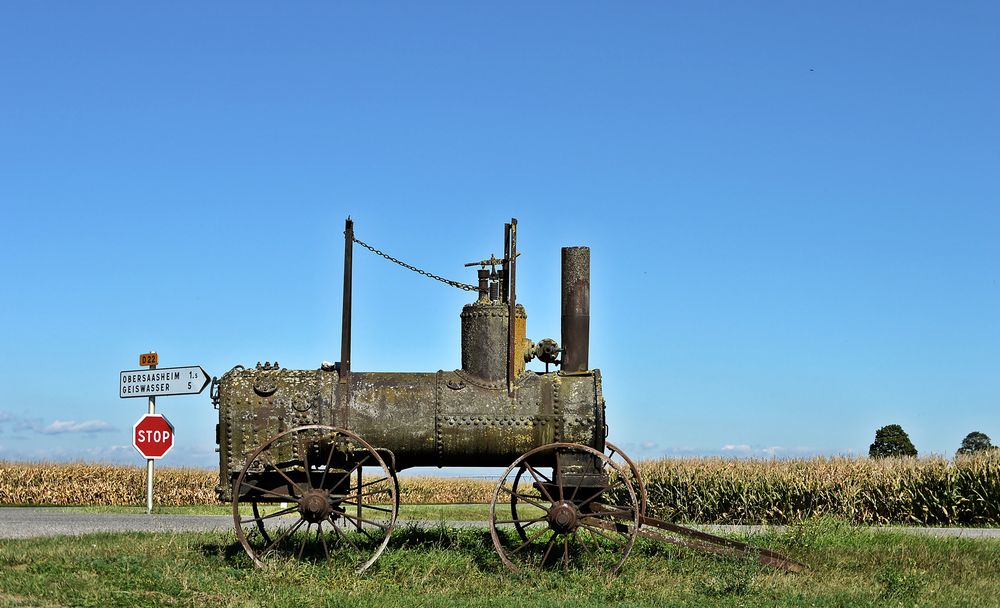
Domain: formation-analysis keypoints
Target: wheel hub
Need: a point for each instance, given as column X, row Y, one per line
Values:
column 314, row 506
column 563, row 517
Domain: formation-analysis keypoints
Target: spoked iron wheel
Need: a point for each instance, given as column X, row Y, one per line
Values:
column 523, row 484
column 627, row 465
column 560, row 514
column 316, row 493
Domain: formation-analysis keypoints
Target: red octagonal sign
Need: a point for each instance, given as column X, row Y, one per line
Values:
column 153, row 436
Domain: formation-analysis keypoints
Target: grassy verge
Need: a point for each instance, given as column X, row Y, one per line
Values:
column 442, row 566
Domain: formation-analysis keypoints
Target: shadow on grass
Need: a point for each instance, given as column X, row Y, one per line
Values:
column 472, row 543
column 474, row 546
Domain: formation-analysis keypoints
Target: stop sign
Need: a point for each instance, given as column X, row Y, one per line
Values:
column 153, row 436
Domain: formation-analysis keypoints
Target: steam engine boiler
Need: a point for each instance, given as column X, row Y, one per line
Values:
column 309, row 458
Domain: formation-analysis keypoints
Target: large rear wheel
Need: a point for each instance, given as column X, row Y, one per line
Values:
column 559, row 514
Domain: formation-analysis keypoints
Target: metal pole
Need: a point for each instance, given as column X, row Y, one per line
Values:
column 345, row 330
column 511, row 306
column 149, row 462
column 359, row 497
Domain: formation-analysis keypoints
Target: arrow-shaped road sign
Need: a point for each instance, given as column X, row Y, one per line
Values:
column 162, row 382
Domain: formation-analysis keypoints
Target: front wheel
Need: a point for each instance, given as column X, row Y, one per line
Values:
column 316, row 492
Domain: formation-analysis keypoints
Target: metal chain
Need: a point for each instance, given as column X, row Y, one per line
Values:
column 415, row 269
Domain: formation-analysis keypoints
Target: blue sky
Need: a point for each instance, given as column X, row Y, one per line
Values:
column 793, row 208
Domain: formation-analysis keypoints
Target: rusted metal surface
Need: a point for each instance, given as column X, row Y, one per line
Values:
column 654, row 529
column 448, row 418
column 575, row 309
column 513, row 342
column 322, row 495
column 564, row 481
column 484, row 340
column 303, row 437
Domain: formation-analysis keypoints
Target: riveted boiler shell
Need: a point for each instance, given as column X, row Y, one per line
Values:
column 424, row 419
column 256, row 405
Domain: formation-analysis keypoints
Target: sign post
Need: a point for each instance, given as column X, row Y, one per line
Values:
column 149, row 461
column 153, row 435
column 152, row 361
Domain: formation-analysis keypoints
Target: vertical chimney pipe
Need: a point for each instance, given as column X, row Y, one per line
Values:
column 575, row 309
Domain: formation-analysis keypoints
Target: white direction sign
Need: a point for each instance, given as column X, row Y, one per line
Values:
column 163, row 381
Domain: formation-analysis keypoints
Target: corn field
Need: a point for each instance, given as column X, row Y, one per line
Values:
column 65, row 484
column 926, row 491
column 46, row 483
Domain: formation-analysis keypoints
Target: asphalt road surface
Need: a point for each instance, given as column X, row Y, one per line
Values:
column 34, row 522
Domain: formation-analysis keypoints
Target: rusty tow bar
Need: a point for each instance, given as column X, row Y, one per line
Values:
column 657, row 529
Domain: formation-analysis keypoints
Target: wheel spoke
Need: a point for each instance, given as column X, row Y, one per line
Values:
column 305, row 463
column 282, row 473
column 374, row 481
column 523, row 522
column 355, row 518
column 544, row 477
column 590, row 538
column 530, row 540
column 351, row 471
column 340, row 533
column 375, row 507
column 576, row 488
column 284, row 497
column 326, row 468
column 541, row 486
column 548, row 548
column 598, row 532
column 322, row 538
column 305, row 539
column 526, row 499
column 615, row 513
column 566, row 552
column 270, row 515
column 559, row 477
column 364, row 494
column 617, row 482
column 580, row 542
column 287, row 532
column 343, row 535
column 608, row 526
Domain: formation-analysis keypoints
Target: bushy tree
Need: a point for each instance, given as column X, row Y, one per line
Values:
column 891, row 440
column 975, row 442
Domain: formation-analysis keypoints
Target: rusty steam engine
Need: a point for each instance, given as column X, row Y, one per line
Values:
column 308, row 458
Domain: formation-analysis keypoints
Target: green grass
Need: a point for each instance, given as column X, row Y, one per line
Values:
column 442, row 566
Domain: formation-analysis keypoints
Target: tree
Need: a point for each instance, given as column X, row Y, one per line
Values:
column 975, row 442
column 891, row 440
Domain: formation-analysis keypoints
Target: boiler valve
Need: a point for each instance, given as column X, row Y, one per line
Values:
column 545, row 350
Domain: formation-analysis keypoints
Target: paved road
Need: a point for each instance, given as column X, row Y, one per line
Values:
column 33, row 522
